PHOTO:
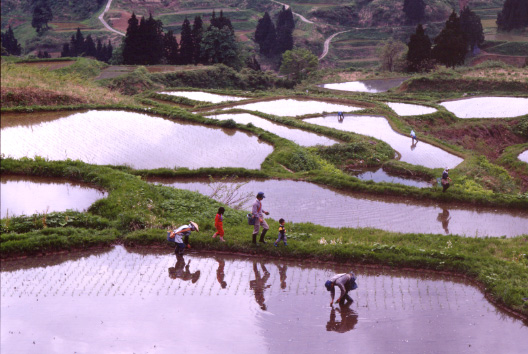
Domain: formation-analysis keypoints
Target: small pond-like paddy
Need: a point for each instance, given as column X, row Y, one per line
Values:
column 370, row 86
column 293, row 108
column 147, row 301
column 139, row 140
column 378, row 175
column 29, row 195
column 419, row 153
column 299, row 201
column 298, row 136
column 488, row 107
column 204, row 96
column 524, row 156
column 406, row 109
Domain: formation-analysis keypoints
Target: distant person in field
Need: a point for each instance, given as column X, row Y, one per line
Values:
column 258, row 215
column 282, row 233
column 345, row 282
column 219, row 224
column 445, row 180
column 413, row 137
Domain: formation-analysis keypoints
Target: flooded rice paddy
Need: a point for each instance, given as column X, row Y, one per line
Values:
column 139, row 140
column 523, row 156
column 298, row 201
column 378, row 175
column 121, row 301
column 370, row 86
column 406, row 109
column 298, row 136
column 29, row 195
column 293, row 108
column 204, row 96
column 417, row 153
column 488, row 107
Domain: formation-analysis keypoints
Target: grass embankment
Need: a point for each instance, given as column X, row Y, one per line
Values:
column 136, row 213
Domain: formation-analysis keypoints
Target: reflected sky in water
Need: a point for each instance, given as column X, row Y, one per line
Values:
column 122, row 301
column 292, row 108
column 419, row 153
column 488, row 107
column 406, row 109
column 204, row 96
column 524, row 156
column 370, row 86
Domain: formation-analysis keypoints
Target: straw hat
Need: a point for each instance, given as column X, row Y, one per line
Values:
column 194, row 225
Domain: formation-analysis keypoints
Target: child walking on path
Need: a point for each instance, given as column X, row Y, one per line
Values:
column 282, row 233
column 219, row 224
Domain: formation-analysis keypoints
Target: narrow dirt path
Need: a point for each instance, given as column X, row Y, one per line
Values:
column 105, row 23
column 327, row 44
column 286, row 6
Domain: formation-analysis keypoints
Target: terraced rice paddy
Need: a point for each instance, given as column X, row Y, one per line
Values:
column 406, row 109
column 295, row 108
column 134, row 139
column 121, row 301
column 488, row 107
column 419, row 153
column 379, row 175
column 204, row 96
column 370, row 86
column 29, row 195
column 298, row 136
column 298, row 201
column 524, row 156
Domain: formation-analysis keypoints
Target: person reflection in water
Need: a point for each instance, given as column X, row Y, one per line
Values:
column 413, row 145
column 349, row 318
column 259, row 284
column 444, row 218
column 282, row 272
column 181, row 270
column 220, row 275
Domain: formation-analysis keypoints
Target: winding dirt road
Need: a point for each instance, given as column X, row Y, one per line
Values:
column 105, row 23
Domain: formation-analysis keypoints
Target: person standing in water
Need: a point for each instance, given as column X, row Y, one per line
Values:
column 413, row 137
column 345, row 282
column 258, row 215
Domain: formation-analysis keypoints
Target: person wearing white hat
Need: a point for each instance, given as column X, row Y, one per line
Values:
column 182, row 231
column 445, row 179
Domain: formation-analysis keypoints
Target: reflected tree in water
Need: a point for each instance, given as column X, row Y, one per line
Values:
column 259, row 284
column 182, row 271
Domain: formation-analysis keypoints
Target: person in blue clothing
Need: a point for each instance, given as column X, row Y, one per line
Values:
column 184, row 232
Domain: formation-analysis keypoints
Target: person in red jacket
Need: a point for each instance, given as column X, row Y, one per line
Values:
column 219, row 224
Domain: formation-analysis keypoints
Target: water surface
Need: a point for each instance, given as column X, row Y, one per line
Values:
column 417, row 153
column 406, row 109
column 378, row 175
column 524, row 156
column 488, row 107
column 293, row 108
column 30, row 195
column 370, row 86
column 299, row 201
column 203, row 96
column 298, row 136
column 133, row 302
column 135, row 139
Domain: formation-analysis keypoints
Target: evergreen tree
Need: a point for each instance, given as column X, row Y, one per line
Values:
column 197, row 34
column 130, row 43
column 186, row 43
column 77, row 47
column 419, row 53
column 514, row 15
column 152, row 39
column 170, row 48
column 99, row 54
column 450, row 45
column 65, row 50
column 263, row 27
column 41, row 16
column 219, row 47
column 10, row 43
column 220, row 22
column 108, row 51
column 89, row 47
column 269, row 45
column 414, row 10
column 472, row 28
column 285, row 27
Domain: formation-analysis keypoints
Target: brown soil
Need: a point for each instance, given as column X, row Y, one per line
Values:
column 11, row 97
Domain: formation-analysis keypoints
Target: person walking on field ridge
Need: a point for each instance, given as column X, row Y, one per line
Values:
column 219, row 224
column 258, row 215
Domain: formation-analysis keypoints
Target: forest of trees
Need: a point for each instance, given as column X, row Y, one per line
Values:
column 514, row 15
column 10, row 45
column 145, row 42
column 80, row 46
column 275, row 39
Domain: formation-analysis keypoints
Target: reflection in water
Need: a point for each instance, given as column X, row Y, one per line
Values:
column 349, row 319
column 488, row 107
column 293, row 108
column 299, row 201
column 136, row 139
column 220, row 274
column 203, row 96
column 413, row 144
column 282, row 271
column 28, row 195
column 524, row 156
column 379, row 175
column 126, row 297
column 259, row 284
column 406, row 109
column 371, row 86
column 378, row 127
column 444, row 218
column 181, row 270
